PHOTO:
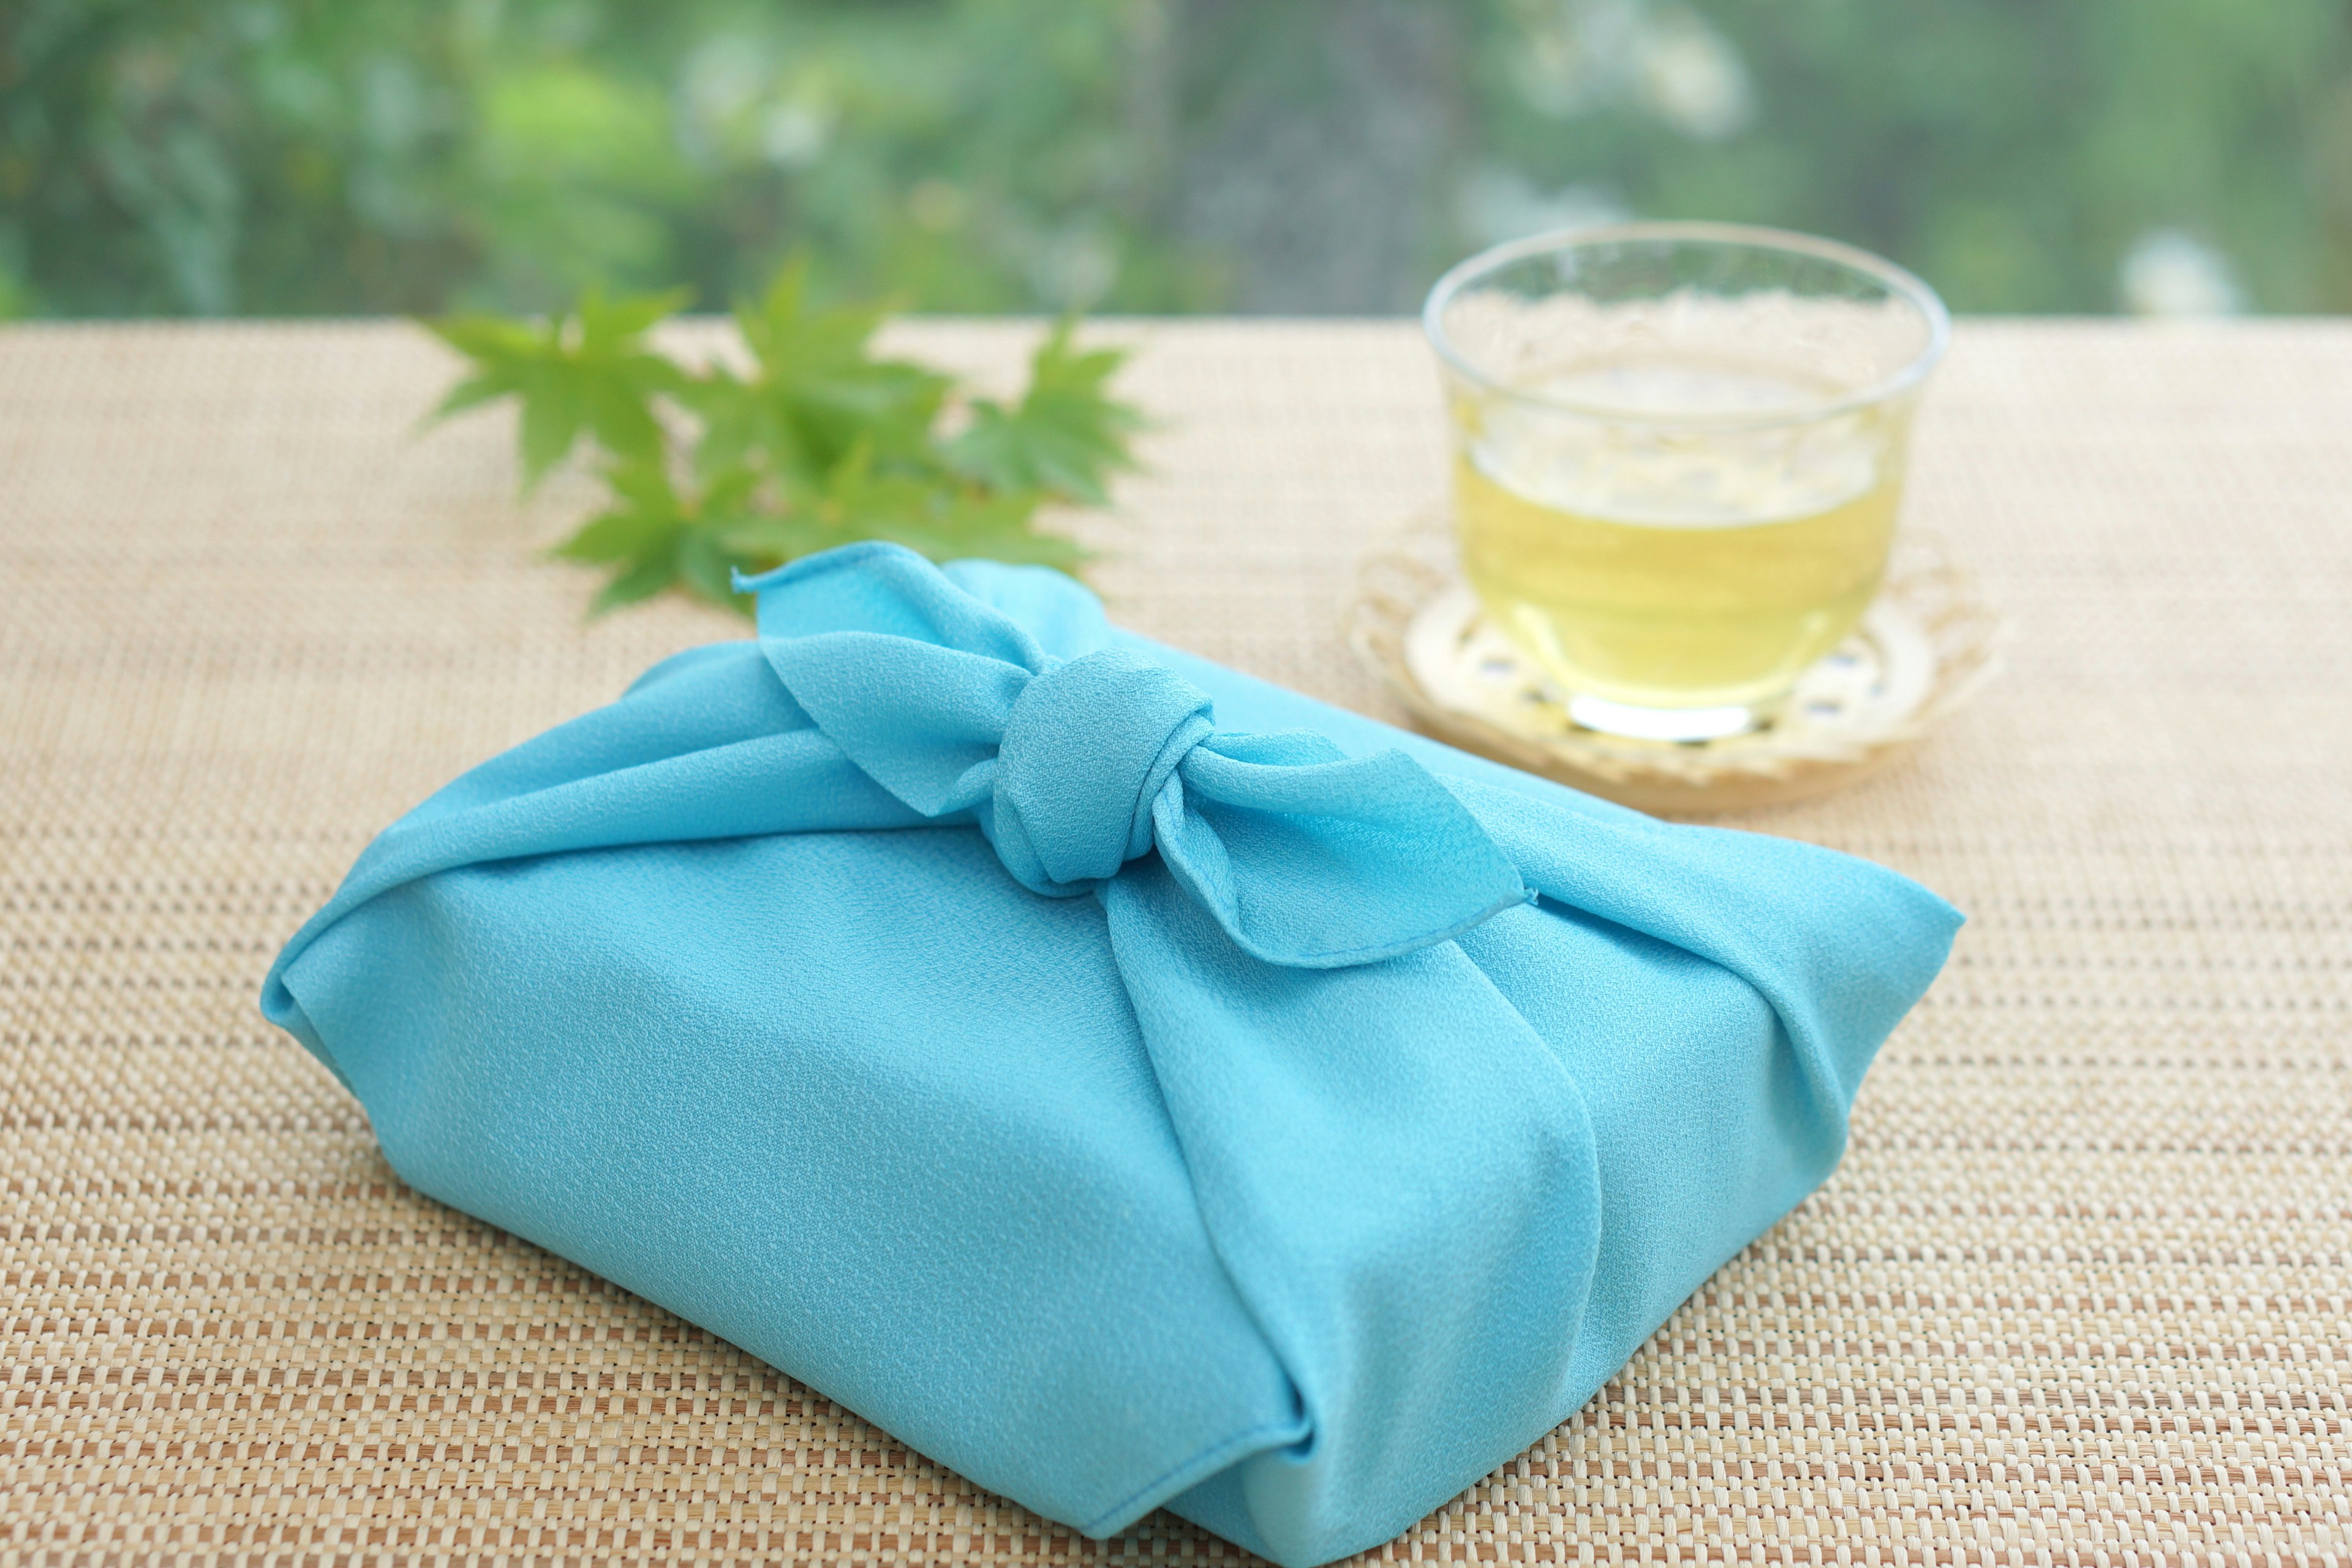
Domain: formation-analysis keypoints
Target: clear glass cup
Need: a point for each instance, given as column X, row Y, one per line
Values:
column 1679, row 452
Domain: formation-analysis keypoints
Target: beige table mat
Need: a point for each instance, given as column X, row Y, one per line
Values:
column 2079, row 1293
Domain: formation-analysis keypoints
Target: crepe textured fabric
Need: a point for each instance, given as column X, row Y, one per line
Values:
column 1196, row 1096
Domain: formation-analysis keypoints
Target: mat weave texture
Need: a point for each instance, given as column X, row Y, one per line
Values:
column 2080, row 1292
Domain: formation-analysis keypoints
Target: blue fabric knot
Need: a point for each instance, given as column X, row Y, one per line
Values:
column 1087, row 747
column 1305, row 856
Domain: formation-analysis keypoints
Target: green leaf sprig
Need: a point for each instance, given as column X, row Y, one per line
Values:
column 821, row 443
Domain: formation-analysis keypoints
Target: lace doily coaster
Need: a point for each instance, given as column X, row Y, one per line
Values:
column 1928, row 643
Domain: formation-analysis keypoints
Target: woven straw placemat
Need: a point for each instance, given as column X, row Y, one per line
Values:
column 2079, row 1293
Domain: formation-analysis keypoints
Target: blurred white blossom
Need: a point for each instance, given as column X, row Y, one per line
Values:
column 734, row 103
column 2168, row 272
column 1693, row 78
column 1573, row 51
column 1074, row 268
column 794, row 133
column 1498, row 203
column 723, row 78
column 1581, row 55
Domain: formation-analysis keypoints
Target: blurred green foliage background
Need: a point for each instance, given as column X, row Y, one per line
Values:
column 298, row 156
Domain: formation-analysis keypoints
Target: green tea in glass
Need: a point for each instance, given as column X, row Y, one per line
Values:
column 1678, row 457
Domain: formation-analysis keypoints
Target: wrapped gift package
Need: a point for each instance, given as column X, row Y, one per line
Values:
column 1131, row 1084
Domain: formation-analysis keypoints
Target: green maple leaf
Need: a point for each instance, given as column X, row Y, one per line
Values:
column 653, row 537
column 815, row 443
column 587, row 371
column 818, row 391
column 863, row 499
column 1067, row 436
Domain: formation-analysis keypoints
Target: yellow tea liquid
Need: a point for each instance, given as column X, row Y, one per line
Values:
column 1707, row 572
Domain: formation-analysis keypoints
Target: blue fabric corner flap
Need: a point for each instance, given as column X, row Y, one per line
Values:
column 1127, row 1082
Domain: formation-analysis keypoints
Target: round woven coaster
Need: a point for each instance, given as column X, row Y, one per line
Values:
column 1929, row 641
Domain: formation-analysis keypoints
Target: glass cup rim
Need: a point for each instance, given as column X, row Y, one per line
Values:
column 1898, row 280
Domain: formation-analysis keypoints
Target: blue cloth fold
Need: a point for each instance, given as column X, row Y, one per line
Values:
column 1127, row 1082
column 1073, row 767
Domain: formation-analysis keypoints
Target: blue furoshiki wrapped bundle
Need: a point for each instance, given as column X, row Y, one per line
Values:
column 1128, row 1083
